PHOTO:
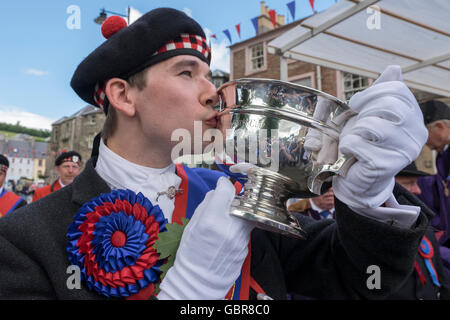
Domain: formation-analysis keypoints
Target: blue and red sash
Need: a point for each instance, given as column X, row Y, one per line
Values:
column 8, row 202
column 195, row 183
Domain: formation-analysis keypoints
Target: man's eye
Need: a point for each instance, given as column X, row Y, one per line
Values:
column 187, row 73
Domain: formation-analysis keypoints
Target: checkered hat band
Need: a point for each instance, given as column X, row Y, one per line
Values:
column 3, row 168
column 74, row 159
column 100, row 96
column 187, row 41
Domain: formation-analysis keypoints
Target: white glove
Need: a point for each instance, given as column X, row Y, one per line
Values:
column 387, row 134
column 212, row 250
column 324, row 147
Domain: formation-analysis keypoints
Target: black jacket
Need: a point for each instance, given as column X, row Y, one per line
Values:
column 331, row 264
column 413, row 288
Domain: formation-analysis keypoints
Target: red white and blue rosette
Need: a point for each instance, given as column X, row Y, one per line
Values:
column 111, row 239
column 427, row 252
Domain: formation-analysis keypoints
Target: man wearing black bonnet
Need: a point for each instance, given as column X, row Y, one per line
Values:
column 9, row 201
column 435, row 188
column 68, row 166
column 112, row 224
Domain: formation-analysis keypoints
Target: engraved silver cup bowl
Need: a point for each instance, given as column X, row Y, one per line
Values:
column 290, row 133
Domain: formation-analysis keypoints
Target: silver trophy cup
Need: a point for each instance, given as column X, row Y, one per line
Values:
column 290, row 134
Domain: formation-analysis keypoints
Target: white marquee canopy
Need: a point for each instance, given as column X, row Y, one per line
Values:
column 365, row 36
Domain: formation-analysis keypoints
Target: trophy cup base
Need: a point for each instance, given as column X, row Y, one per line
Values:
column 290, row 227
column 263, row 202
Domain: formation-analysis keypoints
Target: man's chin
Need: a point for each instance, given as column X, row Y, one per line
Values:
column 432, row 146
column 66, row 182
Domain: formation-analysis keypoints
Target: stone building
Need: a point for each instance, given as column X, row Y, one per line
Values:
column 76, row 132
column 219, row 77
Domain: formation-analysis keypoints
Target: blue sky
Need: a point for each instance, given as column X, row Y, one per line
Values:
column 39, row 53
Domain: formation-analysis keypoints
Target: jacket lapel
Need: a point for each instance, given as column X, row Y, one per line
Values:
column 88, row 184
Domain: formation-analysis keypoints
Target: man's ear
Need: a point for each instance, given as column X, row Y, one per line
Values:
column 120, row 97
column 58, row 170
column 439, row 124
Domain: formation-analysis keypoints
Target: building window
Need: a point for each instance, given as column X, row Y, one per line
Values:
column 55, row 134
column 257, row 57
column 307, row 81
column 93, row 120
column 91, row 141
column 354, row 83
column 217, row 82
column 66, row 130
column 40, row 162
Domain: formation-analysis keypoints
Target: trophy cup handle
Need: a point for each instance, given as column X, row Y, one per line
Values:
column 323, row 173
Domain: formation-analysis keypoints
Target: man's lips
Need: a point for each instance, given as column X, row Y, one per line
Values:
column 213, row 121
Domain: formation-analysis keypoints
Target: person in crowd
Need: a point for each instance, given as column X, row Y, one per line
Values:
column 431, row 276
column 409, row 179
column 430, row 280
column 9, row 201
column 25, row 191
column 68, row 166
column 435, row 188
column 152, row 78
column 320, row 207
column 294, row 151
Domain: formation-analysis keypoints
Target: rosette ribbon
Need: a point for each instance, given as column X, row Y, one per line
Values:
column 112, row 240
column 427, row 252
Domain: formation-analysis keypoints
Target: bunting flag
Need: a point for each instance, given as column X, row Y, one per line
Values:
column 227, row 33
column 238, row 29
column 255, row 24
column 291, row 7
column 273, row 17
column 311, row 2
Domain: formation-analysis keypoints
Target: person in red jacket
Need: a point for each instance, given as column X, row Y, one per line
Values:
column 68, row 166
column 9, row 201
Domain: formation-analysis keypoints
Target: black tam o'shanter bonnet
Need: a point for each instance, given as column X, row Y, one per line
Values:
column 156, row 36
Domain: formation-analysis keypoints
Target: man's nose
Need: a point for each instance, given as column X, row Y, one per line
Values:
column 415, row 189
column 209, row 97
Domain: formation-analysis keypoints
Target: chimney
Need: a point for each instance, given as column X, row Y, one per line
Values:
column 264, row 22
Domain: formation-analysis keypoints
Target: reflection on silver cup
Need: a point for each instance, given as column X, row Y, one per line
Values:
column 290, row 133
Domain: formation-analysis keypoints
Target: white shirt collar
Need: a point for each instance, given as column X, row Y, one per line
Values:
column 120, row 173
column 1, row 189
column 316, row 208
